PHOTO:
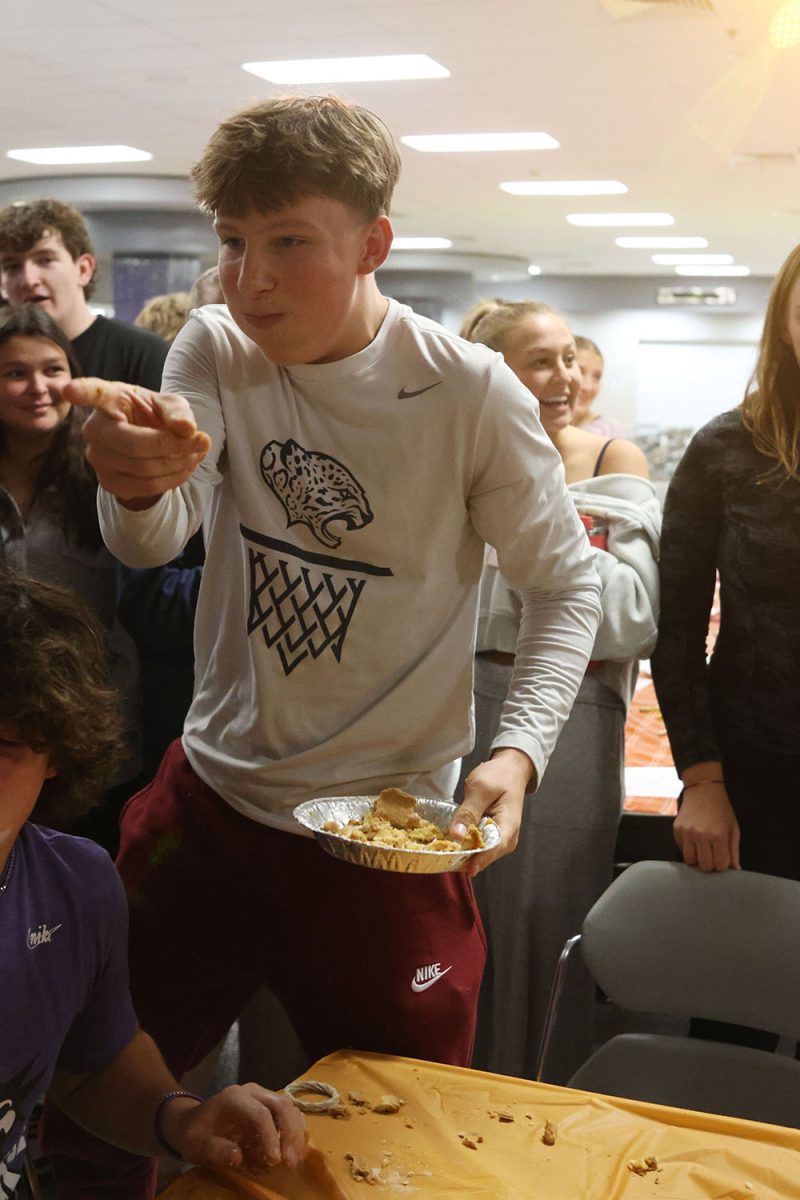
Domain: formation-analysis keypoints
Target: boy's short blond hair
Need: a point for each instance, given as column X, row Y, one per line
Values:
column 276, row 152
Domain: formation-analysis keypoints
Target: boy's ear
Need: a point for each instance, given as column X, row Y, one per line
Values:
column 86, row 265
column 377, row 245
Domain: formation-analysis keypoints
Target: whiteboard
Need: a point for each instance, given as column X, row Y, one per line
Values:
column 681, row 385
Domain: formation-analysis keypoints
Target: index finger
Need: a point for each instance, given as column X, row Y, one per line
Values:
column 126, row 403
column 115, row 399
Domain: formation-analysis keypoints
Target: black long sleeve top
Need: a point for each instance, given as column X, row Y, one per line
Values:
column 721, row 515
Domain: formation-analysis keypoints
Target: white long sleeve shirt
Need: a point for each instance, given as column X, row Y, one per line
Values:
column 345, row 508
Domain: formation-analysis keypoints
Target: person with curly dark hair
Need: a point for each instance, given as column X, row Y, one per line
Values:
column 48, row 505
column 66, row 1018
column 51, row 676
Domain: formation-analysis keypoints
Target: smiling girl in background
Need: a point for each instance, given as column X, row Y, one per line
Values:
column 48, row 493
column 591, row 365
column 537, row 898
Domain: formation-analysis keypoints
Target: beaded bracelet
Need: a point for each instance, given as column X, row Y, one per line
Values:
column 159, row 1116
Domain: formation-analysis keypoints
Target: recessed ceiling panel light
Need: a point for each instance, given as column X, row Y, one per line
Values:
column 712, row 270
column 662, row 243
column 450, row 143
column 421, row 243
column 72, row 155
column 564, row 187
column 349, row 70
column 690, row 260
column 534, row 270
column 784, row 28
column 642, row 218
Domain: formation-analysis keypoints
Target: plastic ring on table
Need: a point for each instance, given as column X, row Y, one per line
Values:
column 312, row 1085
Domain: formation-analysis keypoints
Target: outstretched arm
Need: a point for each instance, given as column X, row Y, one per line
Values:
column 245, row 1125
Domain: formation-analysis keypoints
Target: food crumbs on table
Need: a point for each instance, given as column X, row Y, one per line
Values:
column 358, row 1099
column 340, row 1111
column 505, row 1116
column 361, row 1171
column 388, row 1104
column 470, row 1140
column 549, row 1133
column 642, row 1166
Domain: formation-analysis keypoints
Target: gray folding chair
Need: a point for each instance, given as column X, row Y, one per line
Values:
column 670, row 939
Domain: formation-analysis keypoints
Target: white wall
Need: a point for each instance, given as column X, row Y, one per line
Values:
column 671, row 368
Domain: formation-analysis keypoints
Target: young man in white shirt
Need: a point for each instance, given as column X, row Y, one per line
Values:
column 349, row 461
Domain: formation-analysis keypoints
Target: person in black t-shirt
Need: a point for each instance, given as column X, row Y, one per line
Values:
column 47, row 258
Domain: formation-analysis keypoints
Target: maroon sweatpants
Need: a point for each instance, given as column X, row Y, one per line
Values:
column 220, row 904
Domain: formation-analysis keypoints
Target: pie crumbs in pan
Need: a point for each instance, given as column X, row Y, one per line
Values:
column 393, row 821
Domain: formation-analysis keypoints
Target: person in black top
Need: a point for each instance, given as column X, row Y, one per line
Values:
column 733, row 507
column 46, row 258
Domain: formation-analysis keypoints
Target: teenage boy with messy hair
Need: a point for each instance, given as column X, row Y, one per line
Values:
column 350, row 460
column 47, row 258
column 66, row 1017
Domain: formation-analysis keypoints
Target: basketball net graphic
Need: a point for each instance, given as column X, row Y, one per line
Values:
column 303, row 600
column 301, row 609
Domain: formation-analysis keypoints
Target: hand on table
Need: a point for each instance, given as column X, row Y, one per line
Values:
column 706, row 829
column 495, row 789
column 140, row 443
column 239, row 1126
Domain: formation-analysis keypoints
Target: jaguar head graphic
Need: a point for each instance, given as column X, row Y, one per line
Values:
column 315, row 490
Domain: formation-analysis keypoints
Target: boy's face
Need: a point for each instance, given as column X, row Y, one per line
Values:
column 48, row 275
column 22, row 773
column 292, row 278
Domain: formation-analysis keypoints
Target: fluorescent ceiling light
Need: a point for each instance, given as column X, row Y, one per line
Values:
column 653, row 218
column 349, row 70
column 444, row 143
column 712, row 270
column 63, row 155
column 689, row 260
column 421, row 243
column 662, row 243
column 784, row 28
column 534, row 270
column 565, row 187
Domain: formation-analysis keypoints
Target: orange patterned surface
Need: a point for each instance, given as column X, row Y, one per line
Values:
column 477, row 1136
column 646, row 741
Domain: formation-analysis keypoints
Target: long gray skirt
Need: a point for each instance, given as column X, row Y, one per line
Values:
column 534, row 899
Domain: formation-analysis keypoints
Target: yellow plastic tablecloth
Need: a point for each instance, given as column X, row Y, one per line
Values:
column 417, row 1152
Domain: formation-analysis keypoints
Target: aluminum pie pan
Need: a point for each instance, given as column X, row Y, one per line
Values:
column 314, row 814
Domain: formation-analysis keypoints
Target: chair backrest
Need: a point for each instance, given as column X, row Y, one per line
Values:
column 684, row 1072
column 668, row 938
